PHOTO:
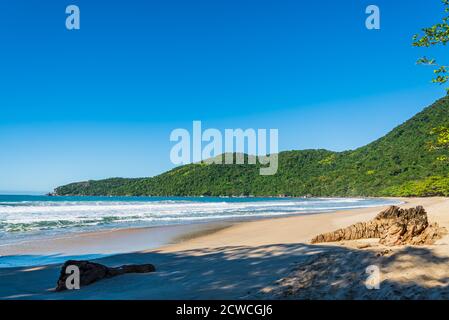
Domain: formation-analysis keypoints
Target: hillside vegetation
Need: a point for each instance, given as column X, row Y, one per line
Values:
column 398, row 164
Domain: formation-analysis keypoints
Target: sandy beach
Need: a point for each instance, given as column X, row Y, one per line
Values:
column 262, row 259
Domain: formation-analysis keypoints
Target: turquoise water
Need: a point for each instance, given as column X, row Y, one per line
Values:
column 30, row 217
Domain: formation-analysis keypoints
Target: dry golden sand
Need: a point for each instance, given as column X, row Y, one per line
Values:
column 265, row 259
column 406, row 272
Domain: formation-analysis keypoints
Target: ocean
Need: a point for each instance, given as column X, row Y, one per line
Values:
column 24, row 218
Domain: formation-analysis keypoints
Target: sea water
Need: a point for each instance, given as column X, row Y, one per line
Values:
column 35, row 217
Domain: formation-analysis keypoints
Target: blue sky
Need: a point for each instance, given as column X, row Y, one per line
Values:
column 101, row 101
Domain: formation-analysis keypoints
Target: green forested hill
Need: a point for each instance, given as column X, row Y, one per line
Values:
column 398, row 164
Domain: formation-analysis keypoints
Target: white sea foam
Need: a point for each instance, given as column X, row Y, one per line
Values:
column 18, row 219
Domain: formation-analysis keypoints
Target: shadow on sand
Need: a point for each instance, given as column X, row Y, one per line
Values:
column 294, row 271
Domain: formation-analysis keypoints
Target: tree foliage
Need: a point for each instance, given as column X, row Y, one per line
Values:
column 397, row 164
column 438, row 34
column 440, row 141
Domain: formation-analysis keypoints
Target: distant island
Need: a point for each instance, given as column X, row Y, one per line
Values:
column 398, row 164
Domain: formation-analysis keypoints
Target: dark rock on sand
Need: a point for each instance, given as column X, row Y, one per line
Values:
column 91, row 272
column 394, row 226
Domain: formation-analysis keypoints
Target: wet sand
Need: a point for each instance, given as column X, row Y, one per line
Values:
column 92, row 245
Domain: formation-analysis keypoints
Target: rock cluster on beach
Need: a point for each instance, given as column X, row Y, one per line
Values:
column 91, row 272
column 394, row 226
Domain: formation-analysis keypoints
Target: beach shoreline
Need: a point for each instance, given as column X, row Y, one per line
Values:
column 102, row 243
column 230, row 262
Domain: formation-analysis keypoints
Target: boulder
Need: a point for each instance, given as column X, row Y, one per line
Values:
column 393, row 226
column 91, row 272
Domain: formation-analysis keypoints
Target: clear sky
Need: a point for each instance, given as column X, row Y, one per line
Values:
column 101, row 101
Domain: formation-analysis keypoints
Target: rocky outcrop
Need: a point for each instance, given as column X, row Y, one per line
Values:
column 91, row 272
column 393, row 226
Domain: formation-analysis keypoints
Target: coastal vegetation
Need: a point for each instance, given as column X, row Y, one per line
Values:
column 408, row 161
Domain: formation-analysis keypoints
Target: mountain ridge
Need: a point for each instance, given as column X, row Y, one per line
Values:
column 397, row 164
